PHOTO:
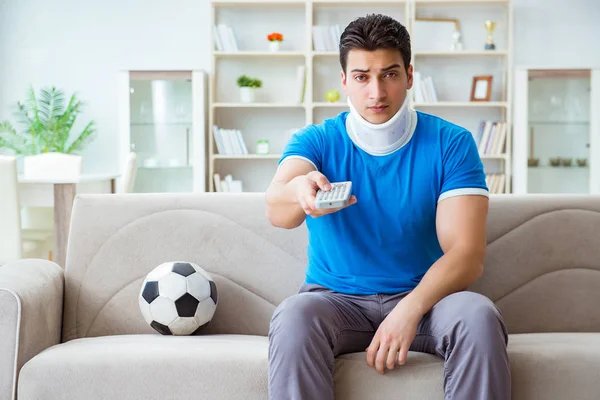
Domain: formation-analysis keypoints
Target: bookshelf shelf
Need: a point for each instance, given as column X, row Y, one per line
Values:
column 421, row 53
column 360, row 2
column 497, row 157
column 311, row 29
column 257, row 105
column 247, row 157
column 464, row 53
column 258, row 3
column 461, row 2
column 468, row 104
column 165, row 167
column 330, row 105
column 266, row 54
column 325, row 54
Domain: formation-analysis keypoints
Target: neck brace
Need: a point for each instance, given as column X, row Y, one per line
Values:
column 382, row 139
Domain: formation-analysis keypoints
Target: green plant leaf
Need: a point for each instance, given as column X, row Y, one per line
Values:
column 83, row 139
column 10, row 139
column 51, row 107
column 246, row 81
column 67, row 120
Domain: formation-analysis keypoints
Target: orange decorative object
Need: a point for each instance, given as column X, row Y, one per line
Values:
column 275, row 37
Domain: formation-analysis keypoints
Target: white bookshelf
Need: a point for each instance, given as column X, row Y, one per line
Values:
column 276, row 114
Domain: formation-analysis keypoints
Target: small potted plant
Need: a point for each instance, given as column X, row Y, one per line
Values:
column 555, row 161
column 248, row 88
column 45, row 139
column 275, row 40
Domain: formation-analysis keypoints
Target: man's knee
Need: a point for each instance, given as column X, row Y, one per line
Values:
column 299, row 316
column 478, row 316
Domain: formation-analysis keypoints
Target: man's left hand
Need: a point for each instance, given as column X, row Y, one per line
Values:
column 393, row 337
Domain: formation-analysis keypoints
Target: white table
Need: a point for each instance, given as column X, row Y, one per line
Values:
column 64, row 195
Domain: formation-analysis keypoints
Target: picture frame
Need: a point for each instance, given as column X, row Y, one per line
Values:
column 481, row 89
column 436, row 34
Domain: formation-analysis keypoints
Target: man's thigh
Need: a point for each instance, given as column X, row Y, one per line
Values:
column 347, row 321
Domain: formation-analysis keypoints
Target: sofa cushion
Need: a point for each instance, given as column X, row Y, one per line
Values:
column 549, row 366
column 544, row 366
column 129, row 367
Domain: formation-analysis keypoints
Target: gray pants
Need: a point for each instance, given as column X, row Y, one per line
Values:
column 316, row 325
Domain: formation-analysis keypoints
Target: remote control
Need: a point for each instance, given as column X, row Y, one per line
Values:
column 337, row 196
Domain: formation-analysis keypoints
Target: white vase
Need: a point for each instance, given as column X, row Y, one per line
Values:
column 247, row 94
column 274, row 45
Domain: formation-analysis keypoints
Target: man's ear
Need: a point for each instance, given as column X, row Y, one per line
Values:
column 409, row 74
column 344, row 87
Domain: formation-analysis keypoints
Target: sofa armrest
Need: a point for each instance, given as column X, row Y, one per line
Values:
column 31, row 308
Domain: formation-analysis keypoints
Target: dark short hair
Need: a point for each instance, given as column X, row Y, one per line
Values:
column 373, row 32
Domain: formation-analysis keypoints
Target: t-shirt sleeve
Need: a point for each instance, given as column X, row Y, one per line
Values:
column 463, row 172
column 305, row 144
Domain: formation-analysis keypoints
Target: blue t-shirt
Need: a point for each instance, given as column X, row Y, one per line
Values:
column 387, row 241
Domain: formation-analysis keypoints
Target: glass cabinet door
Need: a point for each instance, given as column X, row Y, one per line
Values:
column 554, row 131
column 160, row 129
column 559, row 131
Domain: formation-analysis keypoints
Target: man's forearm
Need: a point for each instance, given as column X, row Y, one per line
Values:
column 283, row 208
column 453, row 272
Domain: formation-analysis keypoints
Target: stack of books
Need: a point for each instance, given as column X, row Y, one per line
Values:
column 224, row 38
column 424, row 89
column 229, row 141
column 227, row 184
column 326, row 38
column 495, row 182
column 491, row 138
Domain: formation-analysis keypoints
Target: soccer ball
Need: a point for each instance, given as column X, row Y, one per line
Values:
column 178, row 298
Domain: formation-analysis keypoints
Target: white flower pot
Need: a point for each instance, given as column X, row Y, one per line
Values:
column 247, row 94
column 274, row 45
column 52, row 166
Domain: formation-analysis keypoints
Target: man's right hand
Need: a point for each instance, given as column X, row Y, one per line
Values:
column 306, row 191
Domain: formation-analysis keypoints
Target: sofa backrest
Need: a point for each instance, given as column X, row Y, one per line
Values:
column 541, row 267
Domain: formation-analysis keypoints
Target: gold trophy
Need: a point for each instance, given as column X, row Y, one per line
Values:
column 489, row 27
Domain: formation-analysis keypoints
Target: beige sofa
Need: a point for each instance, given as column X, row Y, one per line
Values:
column 78, row 334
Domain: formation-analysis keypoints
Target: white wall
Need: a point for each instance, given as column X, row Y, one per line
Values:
column 557, row 32
column 80, row 45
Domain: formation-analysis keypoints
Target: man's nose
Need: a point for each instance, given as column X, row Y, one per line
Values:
column 376, row 89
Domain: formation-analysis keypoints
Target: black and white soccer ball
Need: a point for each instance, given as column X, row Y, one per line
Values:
column 178, row 298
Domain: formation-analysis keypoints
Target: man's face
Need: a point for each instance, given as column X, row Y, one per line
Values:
column 376, row 83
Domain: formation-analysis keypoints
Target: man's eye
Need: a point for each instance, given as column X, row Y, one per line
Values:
column 360, row 78
column 391, row 75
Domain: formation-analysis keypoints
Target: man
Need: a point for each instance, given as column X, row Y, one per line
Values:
column 387, row 273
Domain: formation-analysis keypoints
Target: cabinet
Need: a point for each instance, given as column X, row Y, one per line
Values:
column 557, row 138
column 162, row 120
